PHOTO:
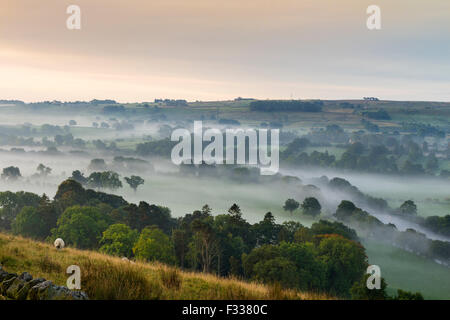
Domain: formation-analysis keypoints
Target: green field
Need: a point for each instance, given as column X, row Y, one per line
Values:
column 408, row 271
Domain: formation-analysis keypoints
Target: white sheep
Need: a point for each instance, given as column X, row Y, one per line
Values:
column 125, row 259
column 59, row 243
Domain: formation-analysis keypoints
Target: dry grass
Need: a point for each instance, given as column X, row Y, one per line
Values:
column 48, row 265
column 107, row 277
column 111, row 281
column 171, row 278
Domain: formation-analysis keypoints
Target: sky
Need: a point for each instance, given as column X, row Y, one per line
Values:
column 135, row 50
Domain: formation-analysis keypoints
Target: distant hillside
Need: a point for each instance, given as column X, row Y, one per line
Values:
column 107, row 277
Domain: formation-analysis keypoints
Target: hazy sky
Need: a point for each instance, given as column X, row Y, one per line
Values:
column 138, row 50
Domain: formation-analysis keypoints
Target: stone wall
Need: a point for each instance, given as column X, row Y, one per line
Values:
column 24, row 287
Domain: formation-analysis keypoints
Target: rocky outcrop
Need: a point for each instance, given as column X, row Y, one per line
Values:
column 24, row 287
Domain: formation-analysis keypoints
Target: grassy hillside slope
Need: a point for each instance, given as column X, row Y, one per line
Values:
column 107, row 277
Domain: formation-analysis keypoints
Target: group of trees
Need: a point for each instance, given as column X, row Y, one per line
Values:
column 69, row 140
column 11, row 203
column 43, row 170
column 286, row 105
column 315, row 258
column 158, row 148
column 408, row 207
column 310, row 206
column 380, row 114
column 106, row 180
column 423, row 129
column 379, row 153
column 437, row 224
column 97, row 180
column 410, row 239
column 11, row 173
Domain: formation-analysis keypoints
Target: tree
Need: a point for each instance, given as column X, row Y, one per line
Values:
column 11, row 204
column 407, row 295
column 233, row 238
column 303, row 234
column 291, row 205
column 278, row 270
column 359, row 290
column 119, row 240
column 134, row 182
column 348, row 159
column 144, row 215
column 289, row 264
column 180, row 242
column 310, row 270
column 296, row 146
column 288, row 230
column 311, row 206
column 81, row 227
column 267, row 230
column 235, row 211
column 36, row 222
column 43, row 170
column 345, row 209
column 258, row 254
column 104, row 180
column 154, row 245
column 70, row 193
column 11, row 173
column 206, row 209
column 328, row 227
column 205, row 241
column 408, row 207
column 346, row 262
column 29, row 223
column 78, row 176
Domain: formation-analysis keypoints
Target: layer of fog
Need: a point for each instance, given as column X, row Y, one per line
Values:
column 394, row 189
column 182, row 194
column 84, row 127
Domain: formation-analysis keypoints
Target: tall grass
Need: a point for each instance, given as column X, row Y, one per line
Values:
column 106, row 280
column 46, row 264
column 171, row 278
